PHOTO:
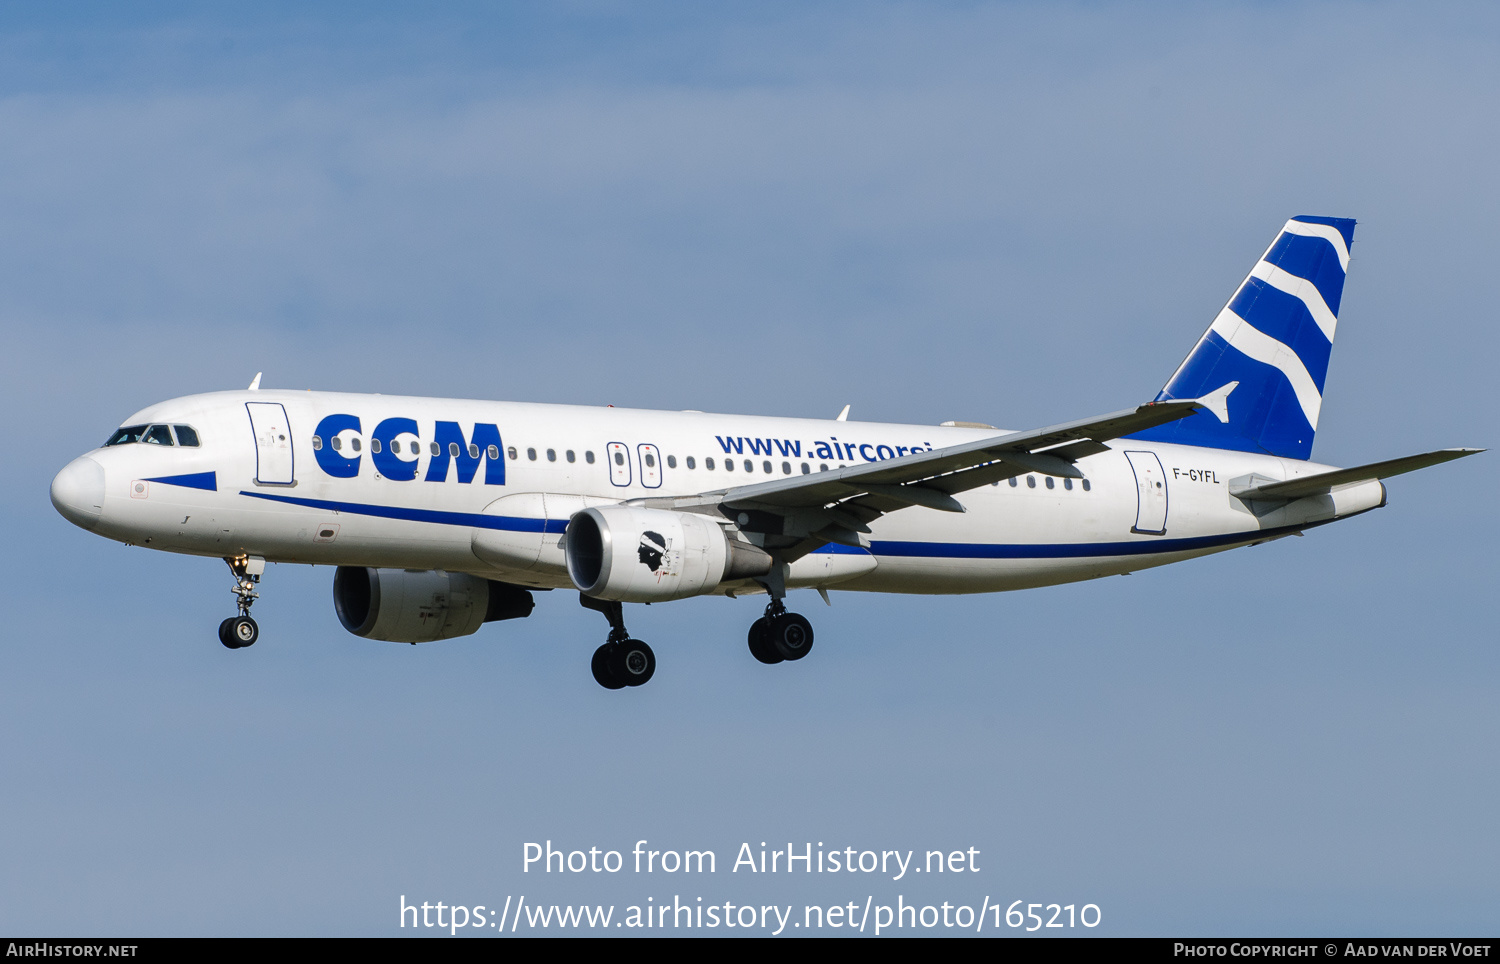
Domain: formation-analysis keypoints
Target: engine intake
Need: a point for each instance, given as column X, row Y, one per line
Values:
column 629, row 554
column 403, row 606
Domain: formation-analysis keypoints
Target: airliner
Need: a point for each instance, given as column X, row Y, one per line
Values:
column 443, row 514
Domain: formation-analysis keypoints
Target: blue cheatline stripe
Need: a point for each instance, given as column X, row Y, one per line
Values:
column 198, row 480
column 834, row 549
column 1073, row 550
column 473, row 520
column 944, row 550
column 1312, row 259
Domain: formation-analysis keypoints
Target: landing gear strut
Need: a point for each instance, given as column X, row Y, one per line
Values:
column 240, row 631
column 779, row 635
column 621, row 661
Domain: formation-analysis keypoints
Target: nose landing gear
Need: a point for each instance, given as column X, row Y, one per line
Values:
column 240, row 631
column 621, row 661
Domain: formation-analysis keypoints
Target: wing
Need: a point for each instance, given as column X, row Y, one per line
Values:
column 796, row 515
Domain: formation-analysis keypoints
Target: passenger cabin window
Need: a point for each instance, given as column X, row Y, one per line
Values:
column 512, row 453
column 588, row 457
column 354, row 443
column 569, row 453
column 552, row 455
column 1086, row 485
column 708, row 464
column 186, row 435
column 671, row 461
column 690, row 463
column 493, row 451
column 317, row 441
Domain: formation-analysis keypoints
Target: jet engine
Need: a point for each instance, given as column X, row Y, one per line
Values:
column 406, row 606
column 627, row 554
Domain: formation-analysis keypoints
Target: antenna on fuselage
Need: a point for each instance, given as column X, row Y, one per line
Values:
column 844, row 415
column 255, row 382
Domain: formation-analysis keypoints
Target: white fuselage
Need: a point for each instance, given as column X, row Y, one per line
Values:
column 276, row 498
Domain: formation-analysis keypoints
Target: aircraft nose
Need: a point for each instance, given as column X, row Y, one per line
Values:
column 78, row 492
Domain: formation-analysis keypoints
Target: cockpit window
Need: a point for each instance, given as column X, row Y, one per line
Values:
column 126, row 435
column 153, row 435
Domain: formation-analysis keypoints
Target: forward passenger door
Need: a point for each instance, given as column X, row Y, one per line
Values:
column 273, row 443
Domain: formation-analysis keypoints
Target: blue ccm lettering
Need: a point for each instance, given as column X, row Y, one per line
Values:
column 387, row 462
column 450, row 442
column 329, row 460
column 448, row 436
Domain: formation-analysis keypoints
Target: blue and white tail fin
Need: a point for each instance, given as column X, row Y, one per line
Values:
column 1260, row 367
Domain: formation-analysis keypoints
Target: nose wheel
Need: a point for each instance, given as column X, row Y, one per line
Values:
column 621, row 661
column 237, row 632
column 240, row 631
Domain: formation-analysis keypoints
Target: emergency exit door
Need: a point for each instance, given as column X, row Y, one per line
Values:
column 618, row 455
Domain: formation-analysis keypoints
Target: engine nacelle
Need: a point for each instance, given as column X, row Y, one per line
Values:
column 629, row 554
column 403, row 606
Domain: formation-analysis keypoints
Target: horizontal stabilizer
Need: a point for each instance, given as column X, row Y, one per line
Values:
column 1325, row 481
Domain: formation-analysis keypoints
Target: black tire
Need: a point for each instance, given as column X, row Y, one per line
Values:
column 224, row 634
column 633, row 662
column 760, row 646
column 243, row 631
column 790, row 635
column 603, row 675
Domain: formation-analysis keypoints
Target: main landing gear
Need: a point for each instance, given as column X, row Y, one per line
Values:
column 240, row 631
column 621, row 661
column 779, row 635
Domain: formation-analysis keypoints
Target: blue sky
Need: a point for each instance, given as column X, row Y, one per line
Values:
column 1016, row 214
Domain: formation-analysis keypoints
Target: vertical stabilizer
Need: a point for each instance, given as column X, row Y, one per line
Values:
column 1265, row 357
